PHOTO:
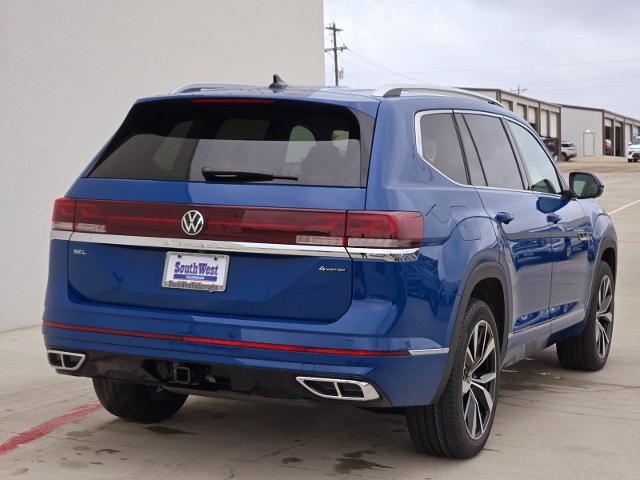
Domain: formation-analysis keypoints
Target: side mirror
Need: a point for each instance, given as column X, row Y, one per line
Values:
column 585, row 185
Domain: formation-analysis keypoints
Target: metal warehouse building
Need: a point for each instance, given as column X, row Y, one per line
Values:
column 543, row 116
column 588, row 128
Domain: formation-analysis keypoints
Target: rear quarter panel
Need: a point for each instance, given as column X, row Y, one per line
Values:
column 458, row 234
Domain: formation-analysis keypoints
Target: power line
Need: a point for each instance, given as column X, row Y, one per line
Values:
column 585, row 79
column 372, row 69
column 334, row 30
column 370, row 74
column 383, row 67
column 523, row 67
column 592, row 87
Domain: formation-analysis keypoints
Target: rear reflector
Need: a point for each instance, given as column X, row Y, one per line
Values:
column 228, row 343
column 242, row 224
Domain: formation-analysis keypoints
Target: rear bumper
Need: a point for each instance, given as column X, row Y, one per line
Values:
column 400, row 380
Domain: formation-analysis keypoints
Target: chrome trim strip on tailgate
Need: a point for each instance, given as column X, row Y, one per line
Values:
column 60, row 235
column 215, row 245
column 386, row 254
column 389, row 255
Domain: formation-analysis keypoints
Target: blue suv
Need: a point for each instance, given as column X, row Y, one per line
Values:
column 389, row 249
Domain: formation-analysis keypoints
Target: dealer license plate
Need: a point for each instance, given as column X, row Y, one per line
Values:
column 195, row 271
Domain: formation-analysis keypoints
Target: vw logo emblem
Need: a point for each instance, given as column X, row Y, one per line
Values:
column 192, row 222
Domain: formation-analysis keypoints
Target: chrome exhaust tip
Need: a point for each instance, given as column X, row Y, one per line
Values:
column 339, row 389
column 65, row 361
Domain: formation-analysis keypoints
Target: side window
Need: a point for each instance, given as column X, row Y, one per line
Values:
column 496, row 154
column 542, row 173
column 471, row 154
column 439, row 145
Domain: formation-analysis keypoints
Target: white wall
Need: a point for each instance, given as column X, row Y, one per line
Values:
column 69, row 71
column 575, row 122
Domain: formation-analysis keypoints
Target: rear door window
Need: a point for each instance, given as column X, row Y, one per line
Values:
column 318, row 144
column 439, row 145
column 496, row 154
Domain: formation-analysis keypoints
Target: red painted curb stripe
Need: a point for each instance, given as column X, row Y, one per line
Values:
column 47, row 427
column 228, row 343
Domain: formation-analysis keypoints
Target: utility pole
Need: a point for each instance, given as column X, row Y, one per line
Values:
column 519, row 90
column 334, row 31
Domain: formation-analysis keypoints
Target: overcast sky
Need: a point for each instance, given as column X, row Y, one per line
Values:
column 576, row 52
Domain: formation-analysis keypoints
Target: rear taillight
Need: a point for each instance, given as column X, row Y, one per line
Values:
column 243, row 224
column 63, row 214
column 384, row 229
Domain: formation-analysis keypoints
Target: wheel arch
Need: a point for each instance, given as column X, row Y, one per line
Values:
column 610, row 256
column 481, row 283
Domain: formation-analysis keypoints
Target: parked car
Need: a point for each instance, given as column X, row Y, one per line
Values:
column 633, row 152
column 567, row 151
column 388, row 248
column 552, row 145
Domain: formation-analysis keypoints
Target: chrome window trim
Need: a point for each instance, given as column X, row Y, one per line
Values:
column 418, row 140
column 386, row 254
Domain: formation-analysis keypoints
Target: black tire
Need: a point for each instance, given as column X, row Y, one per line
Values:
column 584, row 351
column 440, row 429
column 564, row 157
column 137, row 402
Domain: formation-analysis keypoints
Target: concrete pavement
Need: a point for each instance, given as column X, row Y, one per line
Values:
column 550, row 423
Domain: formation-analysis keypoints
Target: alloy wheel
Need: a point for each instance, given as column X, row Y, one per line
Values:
column 479, row 380
column 604, row 316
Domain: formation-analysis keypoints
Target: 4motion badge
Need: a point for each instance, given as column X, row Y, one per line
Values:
column 332, row 269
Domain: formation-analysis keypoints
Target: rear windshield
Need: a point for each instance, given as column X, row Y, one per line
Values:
column 313, row 143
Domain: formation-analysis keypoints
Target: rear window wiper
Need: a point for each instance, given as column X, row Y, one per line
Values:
column 211, row 175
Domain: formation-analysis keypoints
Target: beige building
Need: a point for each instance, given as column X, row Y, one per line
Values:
column 70, row 71
column 543, row 116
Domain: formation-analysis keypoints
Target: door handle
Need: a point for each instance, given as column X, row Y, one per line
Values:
column 553, row 218
column 504, row 217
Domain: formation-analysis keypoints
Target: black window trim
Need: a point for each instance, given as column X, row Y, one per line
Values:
column 418, row 149
column 475, row 149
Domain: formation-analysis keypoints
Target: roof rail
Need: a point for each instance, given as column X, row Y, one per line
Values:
column 416, row 90
column 198, row 87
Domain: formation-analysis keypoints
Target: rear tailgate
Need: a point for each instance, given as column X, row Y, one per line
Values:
column 272, row 249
